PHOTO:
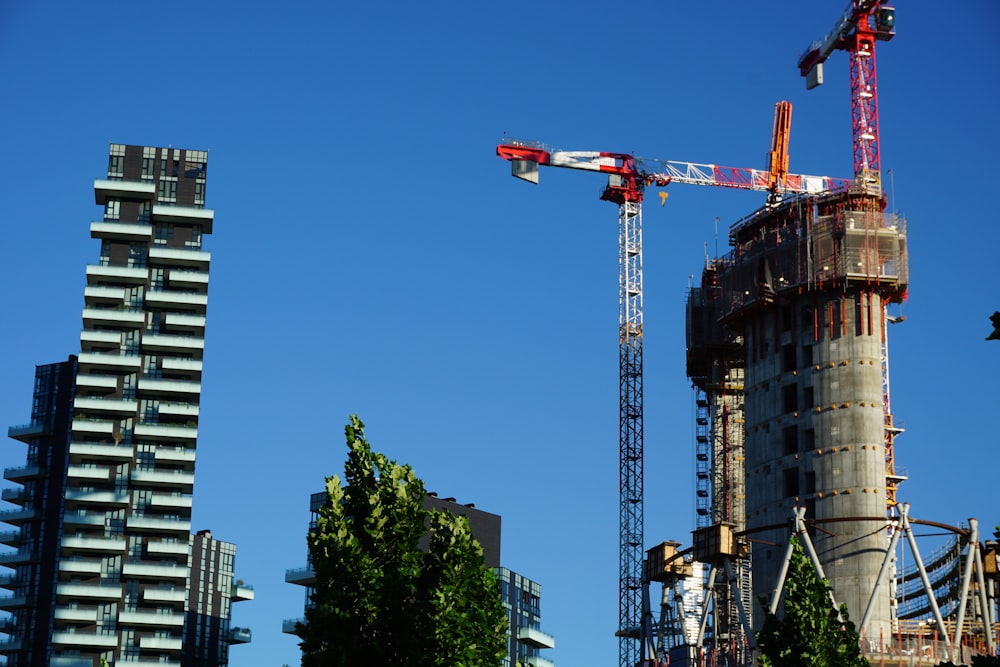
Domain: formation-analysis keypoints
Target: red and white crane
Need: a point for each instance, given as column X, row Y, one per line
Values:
column 863, row 23
column 628, row 176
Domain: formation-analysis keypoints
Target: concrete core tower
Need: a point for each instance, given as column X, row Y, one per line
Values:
column 802, row 294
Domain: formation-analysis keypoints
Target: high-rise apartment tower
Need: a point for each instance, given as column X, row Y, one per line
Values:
column 102, row 528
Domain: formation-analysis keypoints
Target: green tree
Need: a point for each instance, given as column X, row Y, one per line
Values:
column 810, row 634
column 380, row 599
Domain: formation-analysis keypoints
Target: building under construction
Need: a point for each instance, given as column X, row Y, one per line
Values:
column 787, row 350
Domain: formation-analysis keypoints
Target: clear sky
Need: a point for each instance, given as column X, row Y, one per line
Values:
column 372, row 255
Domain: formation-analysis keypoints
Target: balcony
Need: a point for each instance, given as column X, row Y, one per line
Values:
column 12, row 538
column 162, row 549
column 535, row 637
column 148, row 524
column 19, row 557
column 111, row 362
column 84, row 639
column 103, row 384
column 161, row 643
column 303, row 576
column 241, row 592
column 239, row 635
column 171, row 300
column 74, row 661
column 185, row 215
column 91, row 340
column 88, row 592
column 113, row 317
column 181, row 322
column 189, row 279
column 178, row 367
column 112, row 453
column 132, row 275
column 536, row 661
column 14, row 495
column 91, row 567
column 170, row 432
column 288, row 625
column 178, row 409
column 197, row 259
column 158, row 387
column 121, row 231
column 165, row 500
column 72, row 544
column 89, row 473
column 102, row 295
column 76, row 614
column 184, row 481
column 116, row 407
column 10, row 645
column 175, row 454
column 150, row 619
column 83, row 518
column 130, row 190
column 27, row 432
column 102, row 497
column 18, row 516
column 168, row 343
column 160, row 595
column 21, row 473
column 94, row 429
column 13, row 602
column 8, row 582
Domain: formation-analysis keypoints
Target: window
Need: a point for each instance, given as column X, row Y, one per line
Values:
column 787, row 358
column 789, row 398
column 808, row 439
column 810, row 482
column 168, row 190
column 112, row 210
column 791, row 479
column 116, row 165
column 199, row 192
column 790, row 439
column 137, row 255
column 145, row 210
column 808, row 401
column 162, row 233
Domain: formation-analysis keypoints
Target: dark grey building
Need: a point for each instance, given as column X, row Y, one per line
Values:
column 521, row 596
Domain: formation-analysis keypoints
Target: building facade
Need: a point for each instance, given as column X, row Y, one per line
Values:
column 103, row 554
column 521, row 596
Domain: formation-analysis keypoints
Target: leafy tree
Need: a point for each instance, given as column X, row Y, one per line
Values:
column 810, row 634
column 379, row 598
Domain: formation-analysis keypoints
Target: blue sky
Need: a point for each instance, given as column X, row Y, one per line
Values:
column 371, row 255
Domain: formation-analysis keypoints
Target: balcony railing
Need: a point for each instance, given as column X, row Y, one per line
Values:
column 239, row 635
column 303, row 576
column 26, row 432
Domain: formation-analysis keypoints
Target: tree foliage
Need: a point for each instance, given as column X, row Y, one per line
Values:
column 380, row 599
column 811, row 633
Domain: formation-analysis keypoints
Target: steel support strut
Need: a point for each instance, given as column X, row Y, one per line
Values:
column 630, row 431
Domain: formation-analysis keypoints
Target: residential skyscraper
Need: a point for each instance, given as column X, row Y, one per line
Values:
column 104, row 551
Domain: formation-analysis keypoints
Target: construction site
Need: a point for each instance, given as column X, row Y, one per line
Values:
column 787, row 337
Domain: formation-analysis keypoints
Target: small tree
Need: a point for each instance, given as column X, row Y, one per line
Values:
column 811, row 633
column 379, row 599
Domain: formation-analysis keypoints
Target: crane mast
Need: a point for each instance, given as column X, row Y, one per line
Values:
column 628, row 176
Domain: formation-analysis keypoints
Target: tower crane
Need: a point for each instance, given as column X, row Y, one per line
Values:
column 628, row 176
column 862, row 24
